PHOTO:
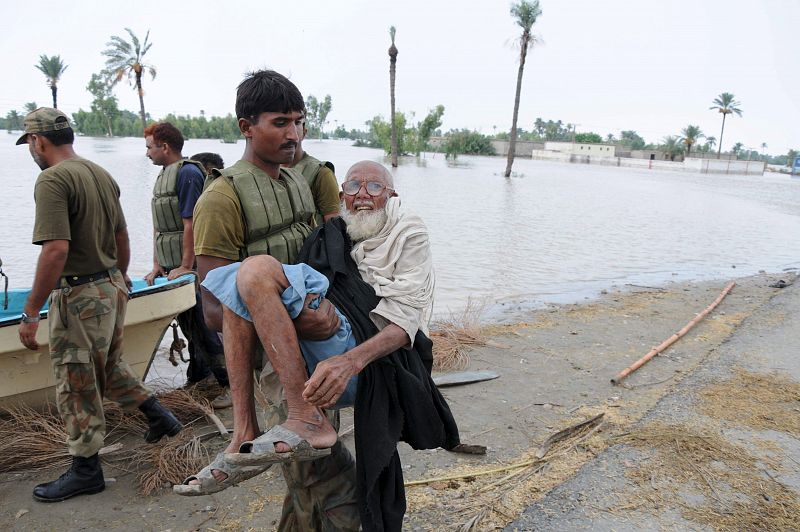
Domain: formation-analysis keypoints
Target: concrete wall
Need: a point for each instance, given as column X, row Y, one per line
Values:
column 523, row 148
column 577, row 148
column 714, row 166
column 713, row 155
column 703, row 166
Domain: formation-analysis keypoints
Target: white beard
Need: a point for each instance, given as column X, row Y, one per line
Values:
column 362, row 225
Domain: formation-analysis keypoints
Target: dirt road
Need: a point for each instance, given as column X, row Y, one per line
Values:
column 555, row 366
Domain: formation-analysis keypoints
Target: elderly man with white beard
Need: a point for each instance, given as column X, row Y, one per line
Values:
column 374, row 264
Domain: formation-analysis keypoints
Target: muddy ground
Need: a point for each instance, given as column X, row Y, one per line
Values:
column 555, row 366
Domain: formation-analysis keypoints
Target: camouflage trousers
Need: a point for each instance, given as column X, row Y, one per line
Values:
column 86, row 324
column 321, row 494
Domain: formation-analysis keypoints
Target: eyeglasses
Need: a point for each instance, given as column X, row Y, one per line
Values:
column 373, row 188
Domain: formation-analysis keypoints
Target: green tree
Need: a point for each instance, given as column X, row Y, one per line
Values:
column 791, row 156
column 588, row 138
column 13, row 120
column 737, row 148
column 317, row 113
column 632, row 139
column 689, row 136
column 392, row 75
column 463, row 141
column 31, row 107
column 53, row 68
column 126, row 59
column 673, row 146
column 710, row 143
column 381, row 133
column 426, row 128
column 104, row 103
column 525, row 13
column 725, row 104
column 549, row 130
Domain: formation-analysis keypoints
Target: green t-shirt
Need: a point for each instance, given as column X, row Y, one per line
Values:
column 218, row 225
column 325, row 190
column 77, row 200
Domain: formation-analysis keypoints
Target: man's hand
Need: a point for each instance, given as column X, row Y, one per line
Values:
column 158, row 271
column 329, row 380
column 316, row 324
column 128, row 282
column 177, row 272
column 27, row 335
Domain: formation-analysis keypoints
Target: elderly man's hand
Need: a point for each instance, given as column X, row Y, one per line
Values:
column 319, row 323
column 329, row 380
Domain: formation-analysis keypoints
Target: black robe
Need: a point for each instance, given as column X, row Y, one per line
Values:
column 396, row 398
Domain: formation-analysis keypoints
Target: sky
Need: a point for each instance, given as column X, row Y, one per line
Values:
column 646, row 65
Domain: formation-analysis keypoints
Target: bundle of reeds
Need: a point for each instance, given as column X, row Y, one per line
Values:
column 37, row 440
column 452, row 336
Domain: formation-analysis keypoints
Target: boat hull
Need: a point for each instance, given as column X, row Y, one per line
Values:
column 27, row 376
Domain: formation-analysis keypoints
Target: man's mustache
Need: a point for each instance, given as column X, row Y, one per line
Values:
column 290, row 144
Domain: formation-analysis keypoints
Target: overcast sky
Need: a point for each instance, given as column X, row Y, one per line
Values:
column 647, row 65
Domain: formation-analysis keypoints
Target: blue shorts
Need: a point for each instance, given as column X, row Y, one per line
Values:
column 303, row 279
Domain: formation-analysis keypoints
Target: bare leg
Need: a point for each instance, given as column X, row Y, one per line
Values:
column 239, row 339
column 261, row 282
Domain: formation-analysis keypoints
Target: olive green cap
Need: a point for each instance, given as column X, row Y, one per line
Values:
column 42, row 120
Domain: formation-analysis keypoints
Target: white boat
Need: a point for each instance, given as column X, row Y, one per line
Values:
column 27, row 376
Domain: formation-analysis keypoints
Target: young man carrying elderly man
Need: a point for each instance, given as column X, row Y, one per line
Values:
column 370, row 349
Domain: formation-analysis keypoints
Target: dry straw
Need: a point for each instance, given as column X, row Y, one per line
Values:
column 37, row 440
column 738, row 492
column 454, row 335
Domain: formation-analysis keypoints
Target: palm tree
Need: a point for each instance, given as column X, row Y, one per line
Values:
column 126, row 59
column 672, row 146
column 726, row 104
column 690, row 135
column 737, row 148
column 392, row 68
column 52, row 67
column 525, row 13
column 710, row 142
column 31, row 107
column 14, row 121
column 764, row 149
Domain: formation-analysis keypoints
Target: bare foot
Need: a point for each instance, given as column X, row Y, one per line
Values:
column 317, row 431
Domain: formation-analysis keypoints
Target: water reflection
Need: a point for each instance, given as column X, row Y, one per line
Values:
column 552, row 231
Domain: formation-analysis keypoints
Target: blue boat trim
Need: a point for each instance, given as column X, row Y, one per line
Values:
column 17, row 297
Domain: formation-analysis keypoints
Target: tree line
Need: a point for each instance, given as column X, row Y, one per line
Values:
column 125, row 58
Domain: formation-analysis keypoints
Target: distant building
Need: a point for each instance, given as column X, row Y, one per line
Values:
column 577, row 148
column 655, row 155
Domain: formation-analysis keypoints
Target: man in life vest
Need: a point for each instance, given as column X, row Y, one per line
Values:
column 256, row 207
column 321, row 180
column 175, row 193
column 374, row 264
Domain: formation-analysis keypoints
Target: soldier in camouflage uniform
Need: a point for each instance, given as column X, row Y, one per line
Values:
column 82, row 268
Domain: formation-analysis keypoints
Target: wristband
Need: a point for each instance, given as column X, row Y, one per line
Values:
column 30, row 319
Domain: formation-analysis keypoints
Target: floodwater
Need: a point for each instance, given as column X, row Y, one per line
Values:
column 552, row 233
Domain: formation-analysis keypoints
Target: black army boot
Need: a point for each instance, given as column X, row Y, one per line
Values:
column 162, row 422
column 84, row 477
